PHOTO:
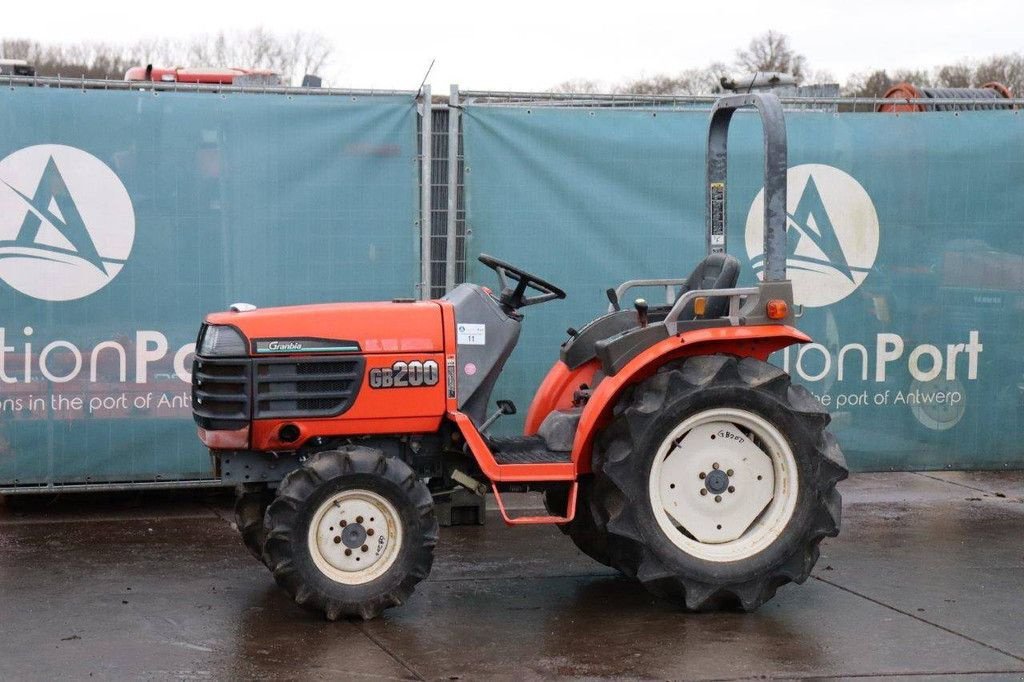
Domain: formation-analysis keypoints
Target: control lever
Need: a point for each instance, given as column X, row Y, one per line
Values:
column 613, row 298
column 641, row 311
column 505, row 407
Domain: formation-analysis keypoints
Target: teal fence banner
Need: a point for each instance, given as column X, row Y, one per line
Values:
column 125, row 216
column 906, row 250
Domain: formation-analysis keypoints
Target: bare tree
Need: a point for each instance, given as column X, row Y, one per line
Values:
column 703, row 81
column 959, row 75
column 292, row 55
column 876, row 83
column 80, row 60
column 310, row 52
column 577, row 86
column 16, row 48
column 1007, row 69
column 768, row 52
column 771, row 51
column 919, row 77
column 821, row 76
column 868, row 84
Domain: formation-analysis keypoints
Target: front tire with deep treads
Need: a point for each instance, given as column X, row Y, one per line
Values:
column 395, row 541
column 251, row 502
column 692, row 400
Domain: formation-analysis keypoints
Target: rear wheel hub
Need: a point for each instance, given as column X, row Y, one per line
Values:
column 716, row 481
column 723, row 485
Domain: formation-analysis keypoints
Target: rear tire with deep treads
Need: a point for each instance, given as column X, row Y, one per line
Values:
column 583, row 530
column 643, row 422
column 301, row 499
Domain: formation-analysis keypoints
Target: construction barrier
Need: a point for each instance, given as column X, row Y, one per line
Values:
column 906, row 252
column 126, row 215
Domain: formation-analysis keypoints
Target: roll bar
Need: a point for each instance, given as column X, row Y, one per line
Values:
column 775, row 165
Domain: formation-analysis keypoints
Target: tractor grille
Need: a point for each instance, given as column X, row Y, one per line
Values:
column 299, row 387
column 220, row 393
column 227, row 393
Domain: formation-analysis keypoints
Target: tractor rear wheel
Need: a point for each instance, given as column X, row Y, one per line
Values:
column 351, row 532
column 717, row 482
column 583, row 530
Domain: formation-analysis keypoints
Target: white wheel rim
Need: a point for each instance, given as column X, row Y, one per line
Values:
column 355, row 536
column 738, row 515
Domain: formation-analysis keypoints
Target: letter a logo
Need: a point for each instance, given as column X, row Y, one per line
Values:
column 832, row 234
column 66, row 223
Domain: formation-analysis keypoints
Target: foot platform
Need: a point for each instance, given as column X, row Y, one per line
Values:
column 524, row 450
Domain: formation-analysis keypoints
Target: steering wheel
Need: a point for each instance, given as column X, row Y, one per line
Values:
column 516, row 298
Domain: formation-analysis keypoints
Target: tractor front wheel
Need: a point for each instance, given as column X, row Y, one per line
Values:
column 251, row 502
column 351, row 533
column 717, row 482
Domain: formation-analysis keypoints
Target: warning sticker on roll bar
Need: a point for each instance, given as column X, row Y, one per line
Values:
column 716, row 193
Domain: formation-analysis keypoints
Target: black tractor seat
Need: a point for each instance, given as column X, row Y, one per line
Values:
column 716, row 271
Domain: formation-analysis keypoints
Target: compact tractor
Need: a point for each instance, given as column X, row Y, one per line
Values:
column 666, row 446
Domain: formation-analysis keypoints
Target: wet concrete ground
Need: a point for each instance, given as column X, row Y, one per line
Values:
column 927, row 579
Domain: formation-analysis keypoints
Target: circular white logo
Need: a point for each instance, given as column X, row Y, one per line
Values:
column 66, row 222
column 832, row 234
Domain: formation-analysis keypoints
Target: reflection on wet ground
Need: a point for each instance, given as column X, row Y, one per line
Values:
column 926, row 578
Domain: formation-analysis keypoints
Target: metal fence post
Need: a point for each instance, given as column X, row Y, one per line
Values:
column 453, row 187
column 426, row 142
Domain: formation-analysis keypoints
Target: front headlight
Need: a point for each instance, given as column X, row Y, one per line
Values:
column 222, row 341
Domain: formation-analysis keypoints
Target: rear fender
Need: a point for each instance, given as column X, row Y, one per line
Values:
column 756, row 341
column 556, row 391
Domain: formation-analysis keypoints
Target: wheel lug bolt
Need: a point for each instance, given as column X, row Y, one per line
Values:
column 732, row 489
column 365, row 548
column 715, row 465
column 703, row 491
column 344, row 523
column 729, row 472
column 337, row 539
column 718, row 498
column 359, row 519
column 703, row 475
column 348, row 552
column 369, row 531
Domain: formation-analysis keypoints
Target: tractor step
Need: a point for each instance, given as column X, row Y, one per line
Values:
column 524, row 450
column 570, row 510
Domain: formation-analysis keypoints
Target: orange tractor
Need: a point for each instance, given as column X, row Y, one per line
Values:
column 665, row 444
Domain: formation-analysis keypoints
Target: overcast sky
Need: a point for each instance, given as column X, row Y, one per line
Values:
column 536, row 44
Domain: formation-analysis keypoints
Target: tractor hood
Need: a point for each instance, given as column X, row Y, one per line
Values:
column 385, row 327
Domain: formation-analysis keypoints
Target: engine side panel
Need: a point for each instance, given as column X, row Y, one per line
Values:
column 399, row 393
column 381, row 327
